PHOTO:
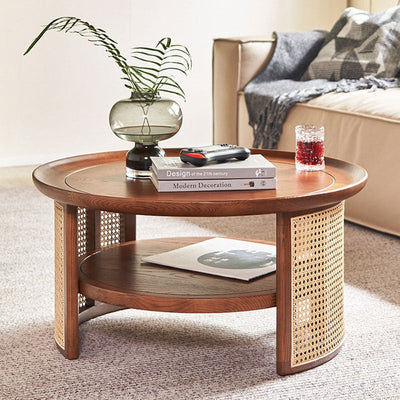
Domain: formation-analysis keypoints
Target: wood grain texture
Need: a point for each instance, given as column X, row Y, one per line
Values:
column 128, row 228
column 97, row 181
column 116, row 276
column 283, row 298
column 71, row 350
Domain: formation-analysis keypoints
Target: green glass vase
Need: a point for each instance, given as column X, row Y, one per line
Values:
column 145, row 122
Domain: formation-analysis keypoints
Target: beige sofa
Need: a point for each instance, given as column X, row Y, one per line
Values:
column 361, row 127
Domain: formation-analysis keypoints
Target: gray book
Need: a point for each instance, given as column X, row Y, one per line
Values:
column 203, row 185
column 172, row 168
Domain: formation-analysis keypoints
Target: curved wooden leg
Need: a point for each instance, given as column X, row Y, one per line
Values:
column 97, row 229
column 97, row 310
column 66, row 280
column 310, row 325
column 128, row 227
column 79, row 231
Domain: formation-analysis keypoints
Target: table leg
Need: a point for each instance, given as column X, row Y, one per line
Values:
column 88, row 225
column 66, row 280
column 98, row 229
column 310, row 266
column 79, row 231
column 128, row 227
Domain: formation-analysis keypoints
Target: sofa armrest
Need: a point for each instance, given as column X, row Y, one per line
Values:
column 235, row 62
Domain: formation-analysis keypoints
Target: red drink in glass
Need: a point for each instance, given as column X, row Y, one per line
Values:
column 309, row 148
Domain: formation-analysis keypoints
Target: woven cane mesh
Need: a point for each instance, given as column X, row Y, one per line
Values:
column 82, row 302
column 317, row 284
column 110, row 233
column 82, row 231
column 110, row 228
column 59, row 276
column 82, row 227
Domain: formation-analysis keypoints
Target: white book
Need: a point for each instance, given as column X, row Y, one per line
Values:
column 203, row 185
column 230, row 258
column 172, row 168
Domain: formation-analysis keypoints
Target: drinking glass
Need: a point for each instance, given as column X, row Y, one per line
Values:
column 310, row 148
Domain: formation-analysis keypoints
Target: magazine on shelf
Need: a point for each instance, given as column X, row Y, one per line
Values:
column 172, row 168
column 231, row 258
column 198, row 185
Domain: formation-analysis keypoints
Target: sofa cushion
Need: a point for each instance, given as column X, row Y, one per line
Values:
column 379, row 105
column 358, row 45
column 373, row 104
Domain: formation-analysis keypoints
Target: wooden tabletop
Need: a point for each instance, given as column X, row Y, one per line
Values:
column 97, row 181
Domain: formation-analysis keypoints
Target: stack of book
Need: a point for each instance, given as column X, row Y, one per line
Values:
column 170, row 174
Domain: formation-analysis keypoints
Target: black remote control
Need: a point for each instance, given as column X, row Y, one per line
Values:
column 200, row 156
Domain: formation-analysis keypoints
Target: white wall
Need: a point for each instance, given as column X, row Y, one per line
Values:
column 55, row 101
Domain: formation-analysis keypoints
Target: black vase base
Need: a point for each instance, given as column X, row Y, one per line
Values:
column 138, row 161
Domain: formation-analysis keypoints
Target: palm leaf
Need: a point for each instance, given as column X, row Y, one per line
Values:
column 171, row 83
column 96, row 36
column 156, row 63
column 162, row 89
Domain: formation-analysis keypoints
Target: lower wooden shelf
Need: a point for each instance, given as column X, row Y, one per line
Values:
column 115, row 275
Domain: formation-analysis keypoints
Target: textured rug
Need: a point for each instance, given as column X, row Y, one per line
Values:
column 135, row 354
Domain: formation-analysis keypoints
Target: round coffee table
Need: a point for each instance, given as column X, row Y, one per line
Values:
column 97, row 256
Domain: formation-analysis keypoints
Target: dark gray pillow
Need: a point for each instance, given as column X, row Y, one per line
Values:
column 359, row 44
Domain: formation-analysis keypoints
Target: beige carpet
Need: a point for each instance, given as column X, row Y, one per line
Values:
column 147, row 355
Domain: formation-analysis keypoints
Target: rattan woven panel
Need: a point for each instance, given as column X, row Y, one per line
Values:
column 59, row 332
column 317, row 284
column 111, row 225
column 82, row 224
column 110, row 228
column 82, row 227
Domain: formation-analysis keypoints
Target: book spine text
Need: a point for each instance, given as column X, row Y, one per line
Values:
column 213, row 185
column 185, row 174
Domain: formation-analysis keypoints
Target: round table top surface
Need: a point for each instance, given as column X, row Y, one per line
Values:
column 98, row 181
